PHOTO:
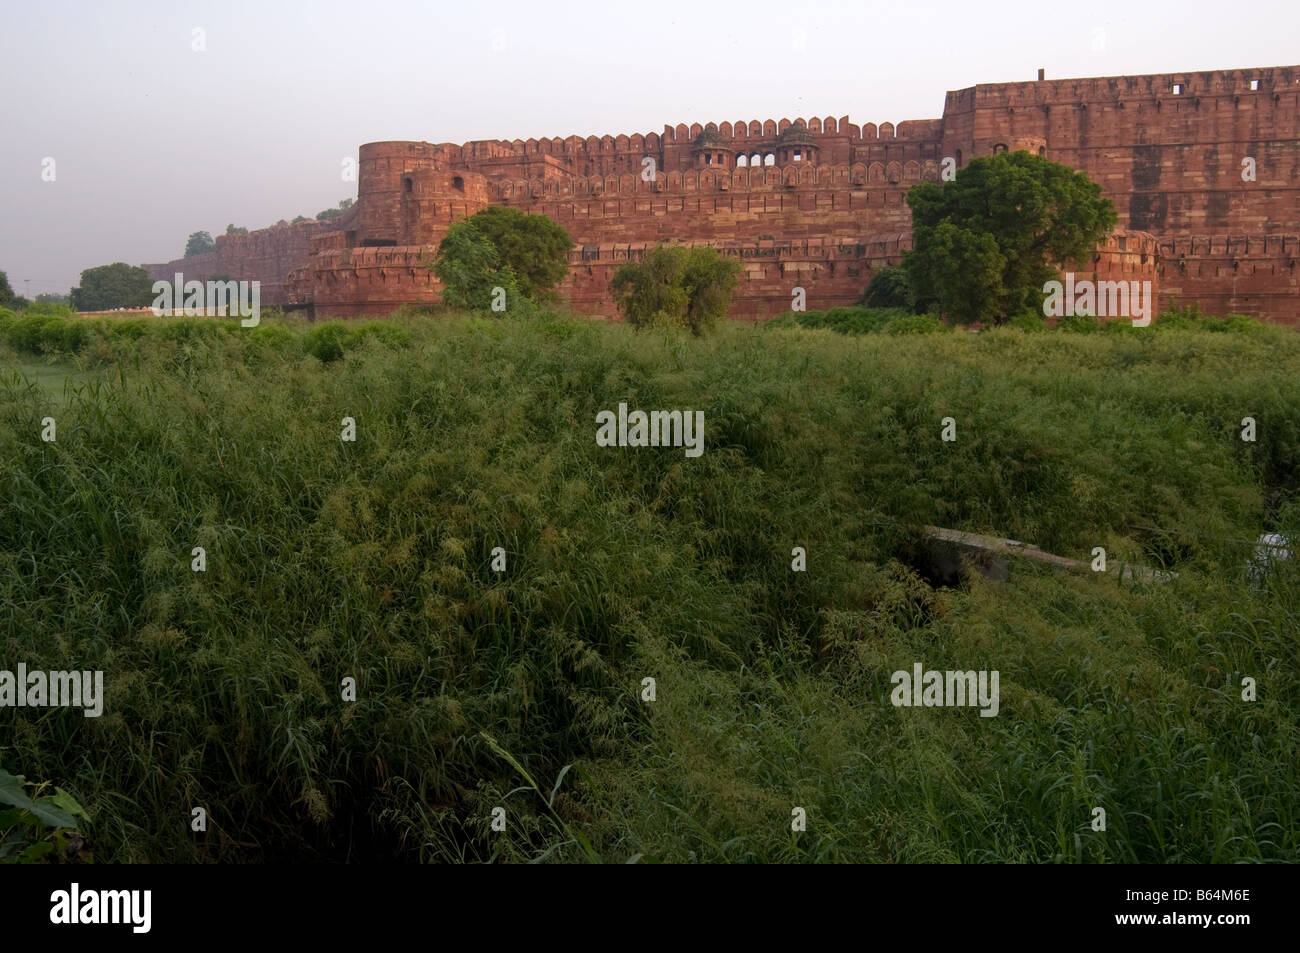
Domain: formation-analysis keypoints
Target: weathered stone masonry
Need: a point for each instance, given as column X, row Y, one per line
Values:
column 820, row 203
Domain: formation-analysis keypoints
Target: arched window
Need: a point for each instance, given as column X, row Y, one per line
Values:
column 458, row 183
column 999, row 147
column 769, row 159
column 742, row 162
column 409, row 183
column 755, row 159
column 1042, row 150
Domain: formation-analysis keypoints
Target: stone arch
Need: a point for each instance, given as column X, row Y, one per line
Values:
column 627, row 183
column 769, row 129
column 611, row 185
column 869, row 130
column 886, row 130
column 815, row 125
column 742, row 161
column 807, row 174
column 740, row 178
column 772, row 177
column 912, row 171
column 828, row 125
column 674, row 181
column 876, row 173
column 894, row 172
column 755, row 129
column 725, row 130
column 769, row 159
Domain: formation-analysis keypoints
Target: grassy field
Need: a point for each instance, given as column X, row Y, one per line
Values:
column 372, row 560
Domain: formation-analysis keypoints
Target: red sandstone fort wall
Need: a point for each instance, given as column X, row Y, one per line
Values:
column 806, row 200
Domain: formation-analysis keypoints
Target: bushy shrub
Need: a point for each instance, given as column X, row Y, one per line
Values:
column 1027, row 320
column 1079, row 324
column 916, row 324
column 326, row 342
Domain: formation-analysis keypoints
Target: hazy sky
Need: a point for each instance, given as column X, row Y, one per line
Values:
column 153, row 139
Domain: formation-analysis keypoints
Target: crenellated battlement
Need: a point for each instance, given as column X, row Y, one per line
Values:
column 1203, row 168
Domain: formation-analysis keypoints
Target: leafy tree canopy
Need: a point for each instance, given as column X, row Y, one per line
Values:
column 6, row 292
column 470, row 269
column 889, row 288
column 236, row 230
column 985, row 243
column 200, row 243
column 533, row 247
column 329, row 213
column 674, row 285
column 118, row 285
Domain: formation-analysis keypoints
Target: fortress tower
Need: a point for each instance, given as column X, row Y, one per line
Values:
column 1204, row 170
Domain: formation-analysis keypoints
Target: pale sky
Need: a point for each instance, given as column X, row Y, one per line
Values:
column 153, row 139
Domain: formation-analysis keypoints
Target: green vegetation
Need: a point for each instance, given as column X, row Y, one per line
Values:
column 859, row 320
column 118, row 285
column 39, row 827
column 371, row 560
column 199, row 243
column 329, row 213
column 533, row 247
column 985, row 243
column 890, row 288
column 676, row 287
column 524, row 256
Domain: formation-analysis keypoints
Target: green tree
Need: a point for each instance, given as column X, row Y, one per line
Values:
column 1016, row 216
column 6, row 292
column 890, row 288
column 118, row 285
column 344, row 205
column 674, row 285
column 470, row 269
column 200, row 243
column 533, row 247
column 236, row 230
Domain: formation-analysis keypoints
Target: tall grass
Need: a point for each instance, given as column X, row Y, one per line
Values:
column 372, row 560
